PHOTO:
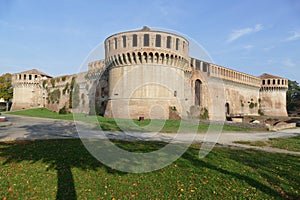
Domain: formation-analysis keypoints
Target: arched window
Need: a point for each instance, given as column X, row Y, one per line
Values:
column 169, row 42
column 158, row 40
column 134, row 40
column 198, row 84
column 146, row 40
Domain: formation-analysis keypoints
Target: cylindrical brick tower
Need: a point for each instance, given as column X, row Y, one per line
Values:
column 146, row 73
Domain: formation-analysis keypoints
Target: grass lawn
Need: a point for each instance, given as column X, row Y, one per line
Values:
column 110, row 124
column 64, row 169
column 291, row 144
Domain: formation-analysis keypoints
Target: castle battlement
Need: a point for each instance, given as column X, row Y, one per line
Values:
column 145, row 73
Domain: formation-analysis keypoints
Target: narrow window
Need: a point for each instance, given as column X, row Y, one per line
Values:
column 274, row 82
column 134, row 40
column 205, row 67
column 197, row 92
column 264, row 82
column 124, row 41
column 20, row 77
column 282, row 82
column 197, row 64
column 35, row 77
column 158, row 41
column 278, row 82
column 24, row 76
column 116, row 43
column 146, row 40
column 177, row 43
column 108, row 46
column 269, row 81
column 30, row 77
column 169, row 42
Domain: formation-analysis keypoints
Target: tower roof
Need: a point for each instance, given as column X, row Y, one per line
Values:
column 270, row 76
column 34, row 71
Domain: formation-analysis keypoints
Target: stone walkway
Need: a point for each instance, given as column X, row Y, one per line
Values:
column 29, row 128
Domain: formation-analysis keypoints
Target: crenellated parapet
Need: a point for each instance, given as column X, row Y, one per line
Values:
column 220, row 72
column 30, row 78
column 273, row 83
column 146, row 46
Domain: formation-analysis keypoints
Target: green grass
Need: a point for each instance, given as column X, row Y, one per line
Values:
column 41, row 112
column 110, row 124
column 252, row 143
column 64, row 169
column 290, row 144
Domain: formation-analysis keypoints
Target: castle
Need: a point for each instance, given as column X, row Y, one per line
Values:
column 149, row 74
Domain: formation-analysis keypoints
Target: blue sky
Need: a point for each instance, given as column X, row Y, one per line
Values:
column 252, row 36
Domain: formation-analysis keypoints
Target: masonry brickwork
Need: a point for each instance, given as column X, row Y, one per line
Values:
column 149, row 74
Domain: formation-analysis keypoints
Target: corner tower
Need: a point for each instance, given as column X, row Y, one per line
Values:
column 273, row 95
column 28, row 91
column 146, row 73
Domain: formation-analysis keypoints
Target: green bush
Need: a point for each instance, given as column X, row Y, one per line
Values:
column 63, row 111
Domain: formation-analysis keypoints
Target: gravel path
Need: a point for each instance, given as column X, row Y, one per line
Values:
column 29, row 128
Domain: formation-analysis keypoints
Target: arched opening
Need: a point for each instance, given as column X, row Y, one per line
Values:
column 227, row 109
column 198, row 84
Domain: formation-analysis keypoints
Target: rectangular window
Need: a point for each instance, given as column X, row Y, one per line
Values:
column 30, row 77
column 177, row 43
column 116, row 43
column 124, row 41
column 198, row 64
column 269, row 81
column 20, row 77
column 146, row 40
column 24, row 76
column 134, row 40
column 278, row 82
column 264, row 82
column 35, row 77
column 205, row 66
column 274, row 81
column 158, row 41
column 169, row 42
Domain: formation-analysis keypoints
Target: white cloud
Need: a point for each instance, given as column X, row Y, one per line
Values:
column 288, row 63
column 245, row 31
column 248, row 46
column 295, row 36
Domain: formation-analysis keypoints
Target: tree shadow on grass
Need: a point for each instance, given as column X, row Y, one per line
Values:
column 59, row 154
column 262, row 164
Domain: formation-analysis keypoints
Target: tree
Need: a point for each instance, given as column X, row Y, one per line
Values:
column 6, row 90
column 293, row 96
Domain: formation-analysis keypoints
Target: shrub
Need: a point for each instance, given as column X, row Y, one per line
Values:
column 251, row 105
column 52, row 82
column 260, row 112
column 63, row 110
column 204, row 114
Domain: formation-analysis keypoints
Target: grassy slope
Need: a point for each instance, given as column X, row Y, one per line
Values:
column 63, row 169
column 111, row 125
